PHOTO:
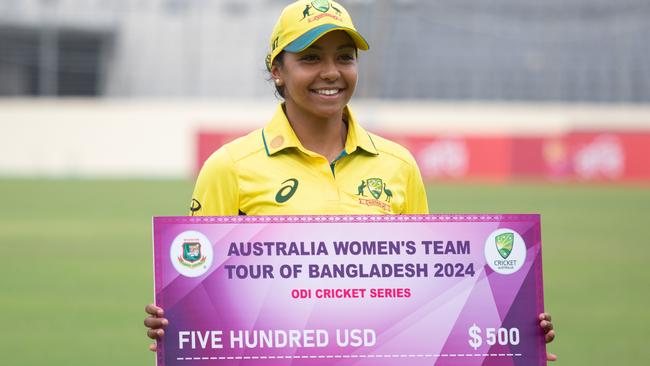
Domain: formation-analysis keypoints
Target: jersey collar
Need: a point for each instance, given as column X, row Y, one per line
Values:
column 278, row 135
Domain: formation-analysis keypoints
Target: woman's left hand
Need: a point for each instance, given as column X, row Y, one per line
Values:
column 549, row 333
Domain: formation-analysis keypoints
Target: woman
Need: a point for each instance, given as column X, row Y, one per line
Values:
column 313, row 157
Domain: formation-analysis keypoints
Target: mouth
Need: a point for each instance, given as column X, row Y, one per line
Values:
column 329, row 92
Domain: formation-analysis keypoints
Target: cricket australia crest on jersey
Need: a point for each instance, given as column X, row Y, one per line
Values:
column 375, row 187
column 380, row 195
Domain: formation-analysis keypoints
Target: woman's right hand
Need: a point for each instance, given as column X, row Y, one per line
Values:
column 155, row 322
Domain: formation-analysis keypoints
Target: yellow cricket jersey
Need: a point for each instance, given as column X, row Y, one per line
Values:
column 269, row 172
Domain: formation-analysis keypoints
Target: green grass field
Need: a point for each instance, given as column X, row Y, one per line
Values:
column 76, row 265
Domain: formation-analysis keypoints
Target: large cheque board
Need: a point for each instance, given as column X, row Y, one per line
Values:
column 350, row 290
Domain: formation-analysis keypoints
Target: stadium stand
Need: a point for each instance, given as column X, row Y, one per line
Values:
column 572, row 50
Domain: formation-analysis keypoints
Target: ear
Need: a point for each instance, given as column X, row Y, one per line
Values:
column 275, row 71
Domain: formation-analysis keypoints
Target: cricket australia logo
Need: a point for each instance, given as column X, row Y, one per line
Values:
column 191, row 253
column 377, row 188
column 505, row 251
column 504, row 244
column 322, row 6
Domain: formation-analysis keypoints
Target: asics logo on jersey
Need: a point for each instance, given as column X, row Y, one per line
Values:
column 287, row 191
column 196, row 205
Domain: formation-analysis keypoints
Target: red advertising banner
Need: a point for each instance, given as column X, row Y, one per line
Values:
column 609, row 156
column 209, row 141
column 459, row 157
column 601, row 156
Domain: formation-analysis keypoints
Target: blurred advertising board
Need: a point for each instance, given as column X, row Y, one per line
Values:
column 600, row 156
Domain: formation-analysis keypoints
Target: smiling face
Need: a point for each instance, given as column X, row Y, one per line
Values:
column 320, row 80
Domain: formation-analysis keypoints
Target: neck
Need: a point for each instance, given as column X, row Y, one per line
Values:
column 325, row 136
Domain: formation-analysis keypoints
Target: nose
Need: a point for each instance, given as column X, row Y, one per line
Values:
column 330, row 71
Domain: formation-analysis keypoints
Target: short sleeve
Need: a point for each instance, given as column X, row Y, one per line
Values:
column 416, row 195
column 216, row 192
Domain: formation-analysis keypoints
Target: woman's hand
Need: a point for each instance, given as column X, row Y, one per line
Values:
column 549, row 333
column 155, row 322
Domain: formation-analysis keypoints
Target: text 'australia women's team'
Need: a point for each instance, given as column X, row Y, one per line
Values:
column 314, row 248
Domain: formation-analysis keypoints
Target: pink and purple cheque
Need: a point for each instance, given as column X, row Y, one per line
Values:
column 350, row 290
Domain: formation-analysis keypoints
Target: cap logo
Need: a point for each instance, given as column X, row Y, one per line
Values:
column 321, row 5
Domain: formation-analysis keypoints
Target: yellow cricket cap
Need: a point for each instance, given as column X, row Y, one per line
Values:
column 304, row 22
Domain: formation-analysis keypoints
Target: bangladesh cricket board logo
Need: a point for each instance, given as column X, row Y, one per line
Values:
column 191, row 253
column 505, row 251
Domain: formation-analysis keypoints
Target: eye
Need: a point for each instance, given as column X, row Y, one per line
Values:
column 309, row 58
column 347, row 57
